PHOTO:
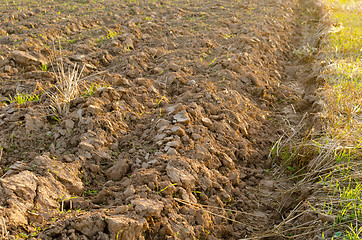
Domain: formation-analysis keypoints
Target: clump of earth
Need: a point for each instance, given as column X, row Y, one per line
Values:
column 168, row 133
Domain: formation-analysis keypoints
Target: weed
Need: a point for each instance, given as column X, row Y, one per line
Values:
column 91, row 90
column 111, row 34
column 23, row 236
column 227, row 36
column 44, row 67
column 212, row 62
column 91, row 192
column 118, row 234
column 21, row 98
column 71, row 41
column 67, row 87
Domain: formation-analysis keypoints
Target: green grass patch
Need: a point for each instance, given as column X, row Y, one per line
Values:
column 21, row 98
column 91, row 90
column 342, row 114
column 343, row 93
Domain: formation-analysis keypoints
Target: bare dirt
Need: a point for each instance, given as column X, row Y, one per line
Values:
column 173, row 139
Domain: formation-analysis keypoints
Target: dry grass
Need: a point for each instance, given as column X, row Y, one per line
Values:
column 329, row 162
column 67, row 87
column 4, row 231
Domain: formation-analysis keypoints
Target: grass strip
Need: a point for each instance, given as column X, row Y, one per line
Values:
column 329, row 161
column 341, row 192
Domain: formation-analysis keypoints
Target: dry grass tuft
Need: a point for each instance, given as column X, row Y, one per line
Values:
column 67, row 87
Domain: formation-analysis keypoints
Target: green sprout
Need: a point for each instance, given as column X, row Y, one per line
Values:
column 21, row 98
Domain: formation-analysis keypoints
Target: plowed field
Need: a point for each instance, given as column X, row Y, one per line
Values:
column 123, row 119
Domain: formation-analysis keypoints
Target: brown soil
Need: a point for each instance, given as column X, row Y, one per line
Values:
column 174, row 141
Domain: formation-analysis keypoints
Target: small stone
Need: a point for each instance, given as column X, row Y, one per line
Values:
column 162, row 124
column 101, row 197
column 159, row 137
column 196, row 136
column 90, row 226
column 157, row 70
column 7, row 69
column 62, row 131
column 121, row 209
column 114, row 43
column 175, row 108
column 253, row 79
column 118, row 170
column 226, row 160
column 206, row 121
column 120, row 80
column 124, row 228
column 174, row 67
column 79, row 113
column 177, row 130
column 182, row 117
column 167, row 230
column 69, row 124
column 181, row 177
column 267, row 184
column 129, row 191
column 86, row 146
column 11, row 110
column 167, row 188
column 25, row 59
column 174, row 144
column 202, row 218
column 171, row 152
column 109, row 183
column 191, row 82
column 94, row 110
column 68, row 158
column 94, row 168
column 147, row 207
column 102, row 156
column 203, row 196
column 36, row 74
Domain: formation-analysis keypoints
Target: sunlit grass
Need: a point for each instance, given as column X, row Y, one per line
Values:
column 333, row 156
column 346, row 34
column 343, row 119
column 343, row 94
column 21, row 98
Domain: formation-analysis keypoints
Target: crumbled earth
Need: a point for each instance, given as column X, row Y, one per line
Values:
column 169, row 135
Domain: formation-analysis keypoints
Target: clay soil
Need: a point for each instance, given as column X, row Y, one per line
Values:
column 169, row 132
